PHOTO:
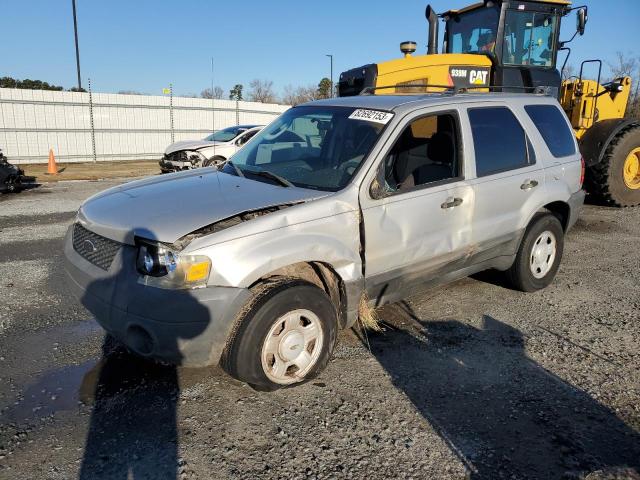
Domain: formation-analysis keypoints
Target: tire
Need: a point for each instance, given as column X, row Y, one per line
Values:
column 531, row 271
column 274, row 309
column 213, row 161
column 606, row 179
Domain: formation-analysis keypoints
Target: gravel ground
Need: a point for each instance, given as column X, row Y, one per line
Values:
column 472, row 380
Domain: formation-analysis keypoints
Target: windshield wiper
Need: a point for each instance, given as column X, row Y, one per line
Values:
column 239, row 172
column 267, row 174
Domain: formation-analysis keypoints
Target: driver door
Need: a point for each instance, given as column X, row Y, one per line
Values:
column 419, row 227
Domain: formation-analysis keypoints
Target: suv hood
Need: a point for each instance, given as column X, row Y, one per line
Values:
column 165, row 208
column 191, row 145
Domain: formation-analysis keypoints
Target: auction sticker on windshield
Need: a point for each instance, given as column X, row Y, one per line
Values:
column 375, row 116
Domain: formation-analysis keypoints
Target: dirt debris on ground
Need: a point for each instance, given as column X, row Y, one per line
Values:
column 93, row 170
column 472, row 380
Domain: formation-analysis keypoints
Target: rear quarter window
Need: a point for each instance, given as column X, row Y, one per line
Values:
column 553, row 127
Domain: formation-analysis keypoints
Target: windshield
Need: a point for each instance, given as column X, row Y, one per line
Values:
column 529, row 38
column 226, row 135
column 314, row 147
column 473, row 32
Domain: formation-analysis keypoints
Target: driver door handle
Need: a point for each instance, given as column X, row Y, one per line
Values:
column 451, row 203
column 529, row 184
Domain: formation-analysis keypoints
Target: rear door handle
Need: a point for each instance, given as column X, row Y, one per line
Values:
column 529, row 184
column 451, row 203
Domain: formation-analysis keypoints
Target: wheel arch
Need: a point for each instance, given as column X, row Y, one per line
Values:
column 321, row 274
column 559, row 209
column 596, row 140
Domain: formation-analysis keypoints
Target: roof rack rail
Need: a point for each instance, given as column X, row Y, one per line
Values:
column 454, row 90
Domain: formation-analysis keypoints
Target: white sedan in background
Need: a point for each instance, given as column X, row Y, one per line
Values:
column 213, row 150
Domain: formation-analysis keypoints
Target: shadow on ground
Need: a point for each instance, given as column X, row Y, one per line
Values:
column 504, row 415
column 133, row 433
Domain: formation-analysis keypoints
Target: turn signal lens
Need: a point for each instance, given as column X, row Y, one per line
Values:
column 582, row 171
column 196, row 272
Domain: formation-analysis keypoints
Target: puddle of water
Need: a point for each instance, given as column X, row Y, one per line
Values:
column 54, row 391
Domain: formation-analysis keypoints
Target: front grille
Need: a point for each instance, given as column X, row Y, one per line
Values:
column 98, row 250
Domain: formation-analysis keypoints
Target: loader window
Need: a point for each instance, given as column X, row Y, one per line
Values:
column 426, row 152
column 529, row 38
column 474, row 31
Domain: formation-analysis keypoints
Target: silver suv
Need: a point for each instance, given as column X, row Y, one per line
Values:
column 336, row 206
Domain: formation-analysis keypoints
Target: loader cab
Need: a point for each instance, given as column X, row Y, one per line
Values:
column 520, row 37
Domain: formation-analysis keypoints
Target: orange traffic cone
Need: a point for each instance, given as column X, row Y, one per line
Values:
column 52, row 169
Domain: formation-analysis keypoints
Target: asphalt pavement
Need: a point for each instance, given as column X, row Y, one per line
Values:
column 472, row 380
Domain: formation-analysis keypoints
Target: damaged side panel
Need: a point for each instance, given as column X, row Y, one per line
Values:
column 272, row 240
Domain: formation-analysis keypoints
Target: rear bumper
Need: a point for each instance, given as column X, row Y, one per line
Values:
column 576, row 201
column 183, row 327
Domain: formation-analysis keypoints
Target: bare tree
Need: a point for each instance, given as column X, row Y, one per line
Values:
column 218, row 93
column 297, row 95
column 628, row 66
column 624, row 66
column 262, row 91
column 568, row 72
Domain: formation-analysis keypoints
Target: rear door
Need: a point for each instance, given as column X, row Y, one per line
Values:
column 509, row 183
column 417, row 224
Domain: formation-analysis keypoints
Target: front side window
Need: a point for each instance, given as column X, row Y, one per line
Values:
column 426, row 152
column 529, row 38
column 552, row 125
column 499, row 141
column 226, row 134
column 317, row 147
column 246, row 137
column 474, row 31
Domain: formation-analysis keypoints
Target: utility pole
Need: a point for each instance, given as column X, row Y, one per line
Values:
column 75, row 30
column 213, row 109
column 331, row 78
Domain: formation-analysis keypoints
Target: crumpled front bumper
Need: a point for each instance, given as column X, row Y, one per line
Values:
column 168, row 166
column 182, row 327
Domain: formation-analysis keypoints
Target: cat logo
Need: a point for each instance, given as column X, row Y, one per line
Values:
column 478, row 77
column 462, row 77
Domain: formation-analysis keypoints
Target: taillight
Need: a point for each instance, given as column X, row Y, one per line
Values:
column 582, row 171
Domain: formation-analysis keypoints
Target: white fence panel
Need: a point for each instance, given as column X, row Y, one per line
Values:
column 125, row 127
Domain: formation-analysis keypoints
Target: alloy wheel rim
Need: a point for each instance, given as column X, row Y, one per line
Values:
column 292, row 346
column 632, row 169
column 543, row 254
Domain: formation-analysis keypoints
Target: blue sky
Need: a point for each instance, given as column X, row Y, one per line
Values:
column 144, row 45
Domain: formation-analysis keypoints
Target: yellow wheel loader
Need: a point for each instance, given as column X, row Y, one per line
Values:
column 513, row 46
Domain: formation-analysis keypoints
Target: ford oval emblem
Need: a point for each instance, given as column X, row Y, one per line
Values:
column 89, row 246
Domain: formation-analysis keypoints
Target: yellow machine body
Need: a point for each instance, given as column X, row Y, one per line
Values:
column 419, row 70
column 587, row 102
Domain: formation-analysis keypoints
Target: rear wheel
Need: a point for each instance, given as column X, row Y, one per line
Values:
column 286, row 335
column 616, row 179
column 539, row 255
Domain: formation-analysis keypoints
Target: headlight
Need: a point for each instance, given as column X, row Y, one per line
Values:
column 164, row 268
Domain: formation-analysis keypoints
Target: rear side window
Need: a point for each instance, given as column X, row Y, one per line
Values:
column 499, row 140
column 553, row 127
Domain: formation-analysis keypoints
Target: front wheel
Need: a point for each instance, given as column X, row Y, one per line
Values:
column 286, row 335
column 214, row 161
column 539, row 255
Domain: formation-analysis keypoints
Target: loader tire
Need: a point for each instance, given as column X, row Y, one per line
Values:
column 616, row 179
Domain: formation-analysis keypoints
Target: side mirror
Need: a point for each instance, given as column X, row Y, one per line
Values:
column 581, row 20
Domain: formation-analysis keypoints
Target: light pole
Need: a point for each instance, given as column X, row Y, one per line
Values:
column 75, row 30
column 331, row 59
